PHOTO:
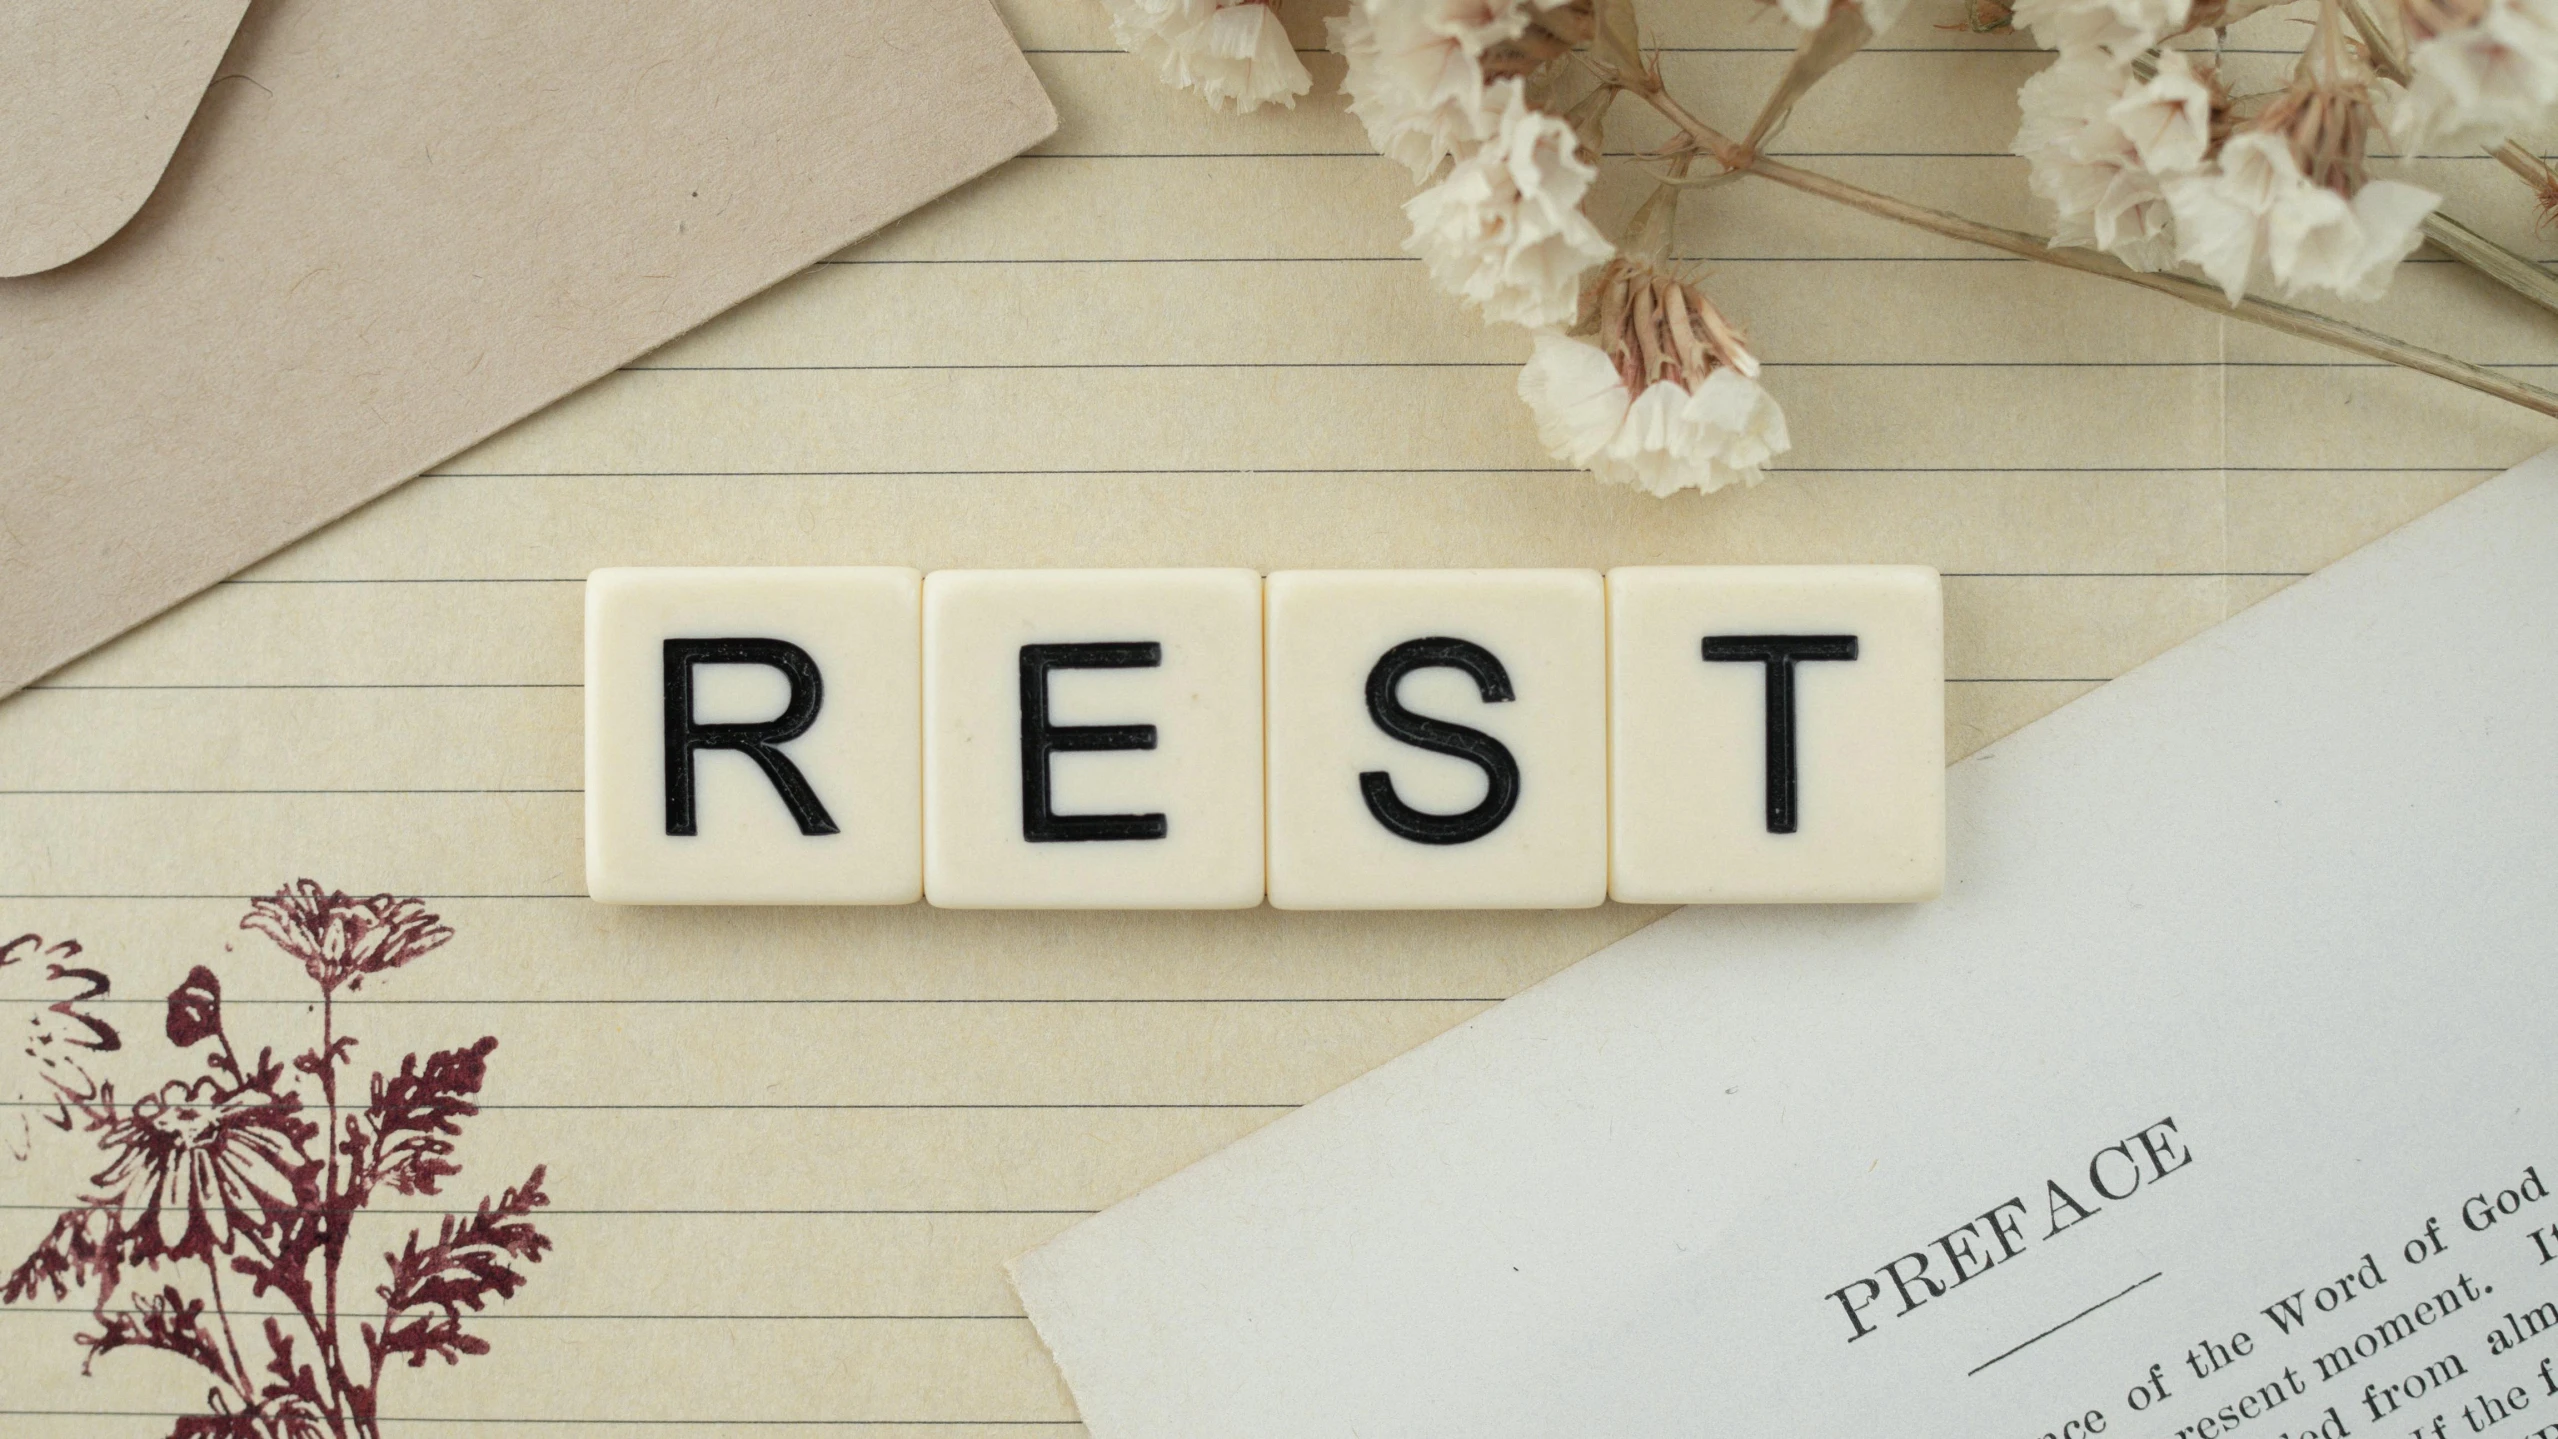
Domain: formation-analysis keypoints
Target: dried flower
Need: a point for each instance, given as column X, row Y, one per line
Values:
column 341, row 939
column 1418, row 72
column 1667, row 399
column 2168, row 117
column 2090, row 167
column 1985, row 17
column 2291, row 190
column 195, row 1168
column 1419, row 94
column 2122, row 28
column 2480, row 70
column 1232, row 51
column 1505, row 228
column 1879, row 14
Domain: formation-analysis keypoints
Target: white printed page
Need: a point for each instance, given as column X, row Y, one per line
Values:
column 2214, row 1099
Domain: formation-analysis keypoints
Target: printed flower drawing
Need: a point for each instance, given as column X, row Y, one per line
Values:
column 230, row 1193
column 2159, row 170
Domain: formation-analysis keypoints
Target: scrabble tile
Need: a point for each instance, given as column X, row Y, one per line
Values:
column 752, row 736
column 1438, row 739
column 1092, row 739
column 1777, row 734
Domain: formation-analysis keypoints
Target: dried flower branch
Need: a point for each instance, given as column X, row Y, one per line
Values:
column 2283, row 318
column 1499, row 109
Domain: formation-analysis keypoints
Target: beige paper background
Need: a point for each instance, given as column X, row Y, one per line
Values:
column 792, row 1149
column 390, row 232
column 93, row 99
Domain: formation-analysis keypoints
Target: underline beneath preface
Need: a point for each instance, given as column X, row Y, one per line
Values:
column 2057, row 1328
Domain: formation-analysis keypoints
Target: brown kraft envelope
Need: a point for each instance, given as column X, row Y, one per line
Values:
column 392, row 230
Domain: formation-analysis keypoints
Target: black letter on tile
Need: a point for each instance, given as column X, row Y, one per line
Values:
column 757, row 742
column 1040, row 739
column 1780, row 653
column 1500, row 770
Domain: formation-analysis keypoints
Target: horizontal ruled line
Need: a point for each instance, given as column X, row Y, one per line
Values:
column 568, row 685
column 1954, row 50
column 457, row 685
column 1986, row 47
column 1139, row 472
column 554, row 1211
column 1905, row 259
column 1946, row 574
column 1153, row 365
column 1371, row 155
column 744, row 1107
column 495, row 1315
column 113, row 793
column 364, row 1001
column 235, row 898
column 394, row 1421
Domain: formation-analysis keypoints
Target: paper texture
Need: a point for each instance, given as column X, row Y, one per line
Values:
column 387, row 235
column 789, row 1154
column 93, row 99
column 2214, row 1097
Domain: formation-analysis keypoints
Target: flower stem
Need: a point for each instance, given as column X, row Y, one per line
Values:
column 333, row 1219
column 2284, row 318
column 1840, row 36
column 2449, row 235
column 230, row 1341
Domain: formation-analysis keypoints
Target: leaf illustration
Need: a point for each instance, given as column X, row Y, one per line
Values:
column 294, row 1396
column 417, row 1114
column 471, row 1262
column 167, row 1321
column 79, row 1249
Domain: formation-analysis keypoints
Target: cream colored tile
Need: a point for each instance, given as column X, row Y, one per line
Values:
column 1776, row 735
column 1093, row 739
column 751, row 736
column 1437, row 739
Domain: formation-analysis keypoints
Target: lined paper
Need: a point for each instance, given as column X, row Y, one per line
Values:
column 790, row 1150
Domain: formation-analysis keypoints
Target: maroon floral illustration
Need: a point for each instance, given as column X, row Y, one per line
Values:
column 46, row 1075
column 240, row 1184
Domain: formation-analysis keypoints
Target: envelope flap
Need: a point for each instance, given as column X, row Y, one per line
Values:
column 93, row 97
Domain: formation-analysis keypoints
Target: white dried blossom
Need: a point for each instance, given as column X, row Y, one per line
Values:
column 2258, row 205
column 1666, row 397
column 2168, row 117
column 1813, row 14
column 2123, row 28
column 1665, row 440
column 1232, row 51
column 2479, row 72
column 1416, row 76
column 2319, row 240
column 1419, row 94
column 2091, row 169
column 1504, row 229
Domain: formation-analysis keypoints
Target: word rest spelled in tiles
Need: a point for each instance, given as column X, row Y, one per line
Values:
column 1209, row 738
